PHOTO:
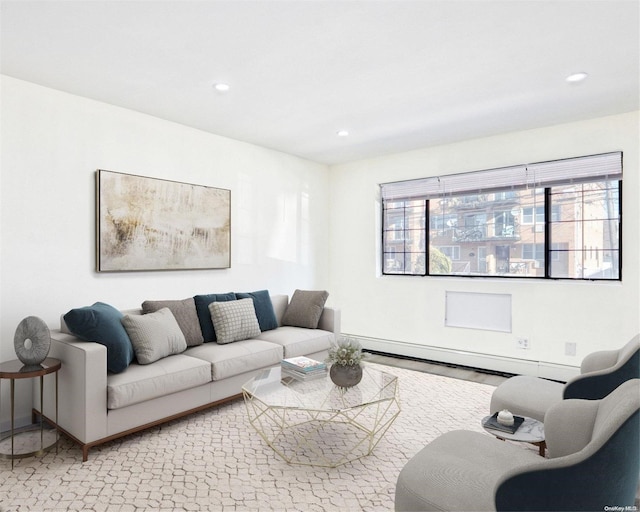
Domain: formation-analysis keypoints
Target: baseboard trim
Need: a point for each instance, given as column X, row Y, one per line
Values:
column 488, row 363
column 440, row 363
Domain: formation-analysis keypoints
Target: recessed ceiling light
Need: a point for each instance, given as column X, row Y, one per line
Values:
column 342, row 133
column 222, row 87
column 576, row 77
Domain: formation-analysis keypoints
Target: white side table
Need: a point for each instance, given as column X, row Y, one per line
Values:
column 531, row 431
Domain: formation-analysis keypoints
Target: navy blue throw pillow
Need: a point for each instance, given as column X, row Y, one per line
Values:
column 101, row 323
column 264, row 308
column 204, row 315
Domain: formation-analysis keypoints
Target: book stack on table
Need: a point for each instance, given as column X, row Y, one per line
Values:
column 303, row 368
column 493, row 424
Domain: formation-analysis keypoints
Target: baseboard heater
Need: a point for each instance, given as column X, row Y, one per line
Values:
column 468, row 359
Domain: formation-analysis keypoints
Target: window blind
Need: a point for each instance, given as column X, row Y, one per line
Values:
column 604, row 166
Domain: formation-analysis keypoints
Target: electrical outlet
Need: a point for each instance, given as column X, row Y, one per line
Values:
column 569, row 349
column 523, row 343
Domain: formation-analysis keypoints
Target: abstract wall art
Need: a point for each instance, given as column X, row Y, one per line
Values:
column 154, row 224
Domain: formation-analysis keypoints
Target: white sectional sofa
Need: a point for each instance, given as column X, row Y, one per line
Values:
column 97, row 406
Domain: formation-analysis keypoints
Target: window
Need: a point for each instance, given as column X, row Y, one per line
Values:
column 534, row 252
column 587, row 238
column 404, row 237
column 533, row 214
column 529, row 218
column 558, row 219
column 450, row 251
column 505, row 196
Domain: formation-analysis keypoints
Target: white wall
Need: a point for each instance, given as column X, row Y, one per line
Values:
column 407, row 313
column 52, row 144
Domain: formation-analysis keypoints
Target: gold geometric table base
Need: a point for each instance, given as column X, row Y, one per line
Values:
column 323, row 436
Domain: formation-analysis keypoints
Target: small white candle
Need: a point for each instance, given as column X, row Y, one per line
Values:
column 505, row 418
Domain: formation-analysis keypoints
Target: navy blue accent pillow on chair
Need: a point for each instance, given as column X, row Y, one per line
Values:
column 204, row 315
column 101, row 323
column 264, row 308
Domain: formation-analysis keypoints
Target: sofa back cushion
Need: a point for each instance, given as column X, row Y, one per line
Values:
column 204, row 315
column 234, row 320
column 100, row 322
column 264, row 308
column 305, row 308
column 185, row 314
column 280, row 303
column 154, row 336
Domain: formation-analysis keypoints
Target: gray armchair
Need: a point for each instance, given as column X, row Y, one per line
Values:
column 594, row 463
column 600, row 373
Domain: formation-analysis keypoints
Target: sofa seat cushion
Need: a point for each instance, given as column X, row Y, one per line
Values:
column 447, row 475
column 299, row 341
column 145, row 382
column 237, row 358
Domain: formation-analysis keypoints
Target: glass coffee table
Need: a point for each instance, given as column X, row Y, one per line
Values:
column 314, row 422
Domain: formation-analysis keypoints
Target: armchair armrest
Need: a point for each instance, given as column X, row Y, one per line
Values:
column 591, row 479
column 600, row 360
column 568, row 426
column 598, row 384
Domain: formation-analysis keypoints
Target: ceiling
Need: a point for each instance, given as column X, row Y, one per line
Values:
column 398, row 75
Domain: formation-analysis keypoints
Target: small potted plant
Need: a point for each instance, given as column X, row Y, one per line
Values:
column 345, row 356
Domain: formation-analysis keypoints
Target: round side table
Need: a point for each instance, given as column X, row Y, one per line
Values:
column 531, row 431
column 29, row 444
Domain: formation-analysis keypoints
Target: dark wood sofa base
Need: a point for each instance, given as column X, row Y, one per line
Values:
column 87, row 446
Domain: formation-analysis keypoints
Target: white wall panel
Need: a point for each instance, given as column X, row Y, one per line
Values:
column 484, row 311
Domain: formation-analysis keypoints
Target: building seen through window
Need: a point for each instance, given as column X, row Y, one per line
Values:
column 569, row 230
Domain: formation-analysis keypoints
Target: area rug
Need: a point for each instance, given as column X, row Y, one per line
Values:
column 215, row 461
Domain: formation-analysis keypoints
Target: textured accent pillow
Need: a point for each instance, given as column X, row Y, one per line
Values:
column 234, row 320
column 305, row 308
column 155, row 335
column 264, row 308
column 185, row 314
column 204, row 315
column 101, row 323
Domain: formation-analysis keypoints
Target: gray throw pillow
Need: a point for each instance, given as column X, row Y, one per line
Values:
column 234, row 320
column 154, row 336
column 185, row 314
column 305, row 308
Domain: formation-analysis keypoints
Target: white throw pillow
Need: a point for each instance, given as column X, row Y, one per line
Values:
column 155, row 335
column 234, row 320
